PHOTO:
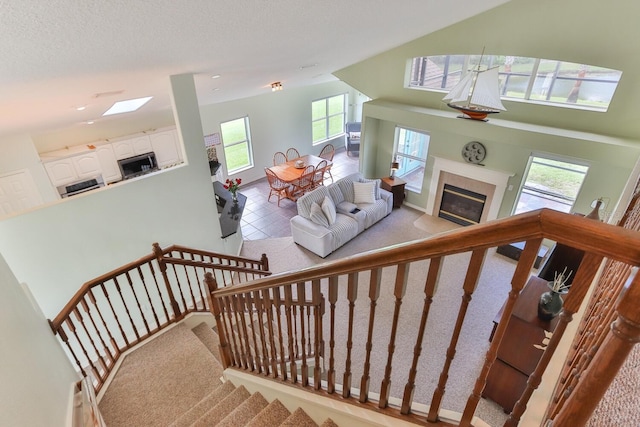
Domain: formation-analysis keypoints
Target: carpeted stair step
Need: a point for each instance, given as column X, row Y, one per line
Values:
column 245, row 412
column 217, row 413
column 298, row 418
column 273, row 415
column 328, row 423
column 209, row 339
column 201, row 408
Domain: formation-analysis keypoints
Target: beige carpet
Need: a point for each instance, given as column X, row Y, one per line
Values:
column 620, row 405
column 160, row 381
column 400, row 227
column 434, row 225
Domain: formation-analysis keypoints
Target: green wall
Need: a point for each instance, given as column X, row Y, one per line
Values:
column 588, row 32
column 508, row 144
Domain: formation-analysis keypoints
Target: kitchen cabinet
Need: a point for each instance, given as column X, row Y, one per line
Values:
column 108, row 163
column 131, row 146
column 86, row 165
column 70, row 169
column 165, row 146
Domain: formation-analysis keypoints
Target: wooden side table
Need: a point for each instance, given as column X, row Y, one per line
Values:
column 396, row 187
column 517, row 357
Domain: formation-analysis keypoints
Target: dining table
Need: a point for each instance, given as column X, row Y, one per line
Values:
column 290, row 173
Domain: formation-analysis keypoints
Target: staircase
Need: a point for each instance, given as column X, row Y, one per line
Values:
column 214, row 403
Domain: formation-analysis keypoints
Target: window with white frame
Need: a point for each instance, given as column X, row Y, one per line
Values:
column 412, row 148
column 550, row 183
column 236, row 141
column 527, row 79
column 328, row 117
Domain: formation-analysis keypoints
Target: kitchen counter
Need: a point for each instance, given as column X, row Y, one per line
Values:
column 230, row 213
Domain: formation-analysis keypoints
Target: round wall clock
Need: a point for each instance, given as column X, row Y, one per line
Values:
column 474, row 152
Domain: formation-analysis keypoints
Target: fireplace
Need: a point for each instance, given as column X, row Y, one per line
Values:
column 490, row 183
column 461, row 206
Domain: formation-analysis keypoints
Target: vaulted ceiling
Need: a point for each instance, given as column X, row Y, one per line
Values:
column 64, row 54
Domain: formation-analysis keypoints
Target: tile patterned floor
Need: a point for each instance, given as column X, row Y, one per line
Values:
column 263, row 219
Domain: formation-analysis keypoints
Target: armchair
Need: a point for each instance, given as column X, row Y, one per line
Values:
column 352, row 142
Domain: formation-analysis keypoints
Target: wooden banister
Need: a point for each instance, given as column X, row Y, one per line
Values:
column 596, row 239
column 117, row 310
column 275, row 325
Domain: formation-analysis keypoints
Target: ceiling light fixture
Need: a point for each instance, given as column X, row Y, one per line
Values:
column 127, row 106
column 81, row 107
column 215, row 76
column 275, row 86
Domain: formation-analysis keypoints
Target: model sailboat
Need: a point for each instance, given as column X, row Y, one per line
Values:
column 477, row 94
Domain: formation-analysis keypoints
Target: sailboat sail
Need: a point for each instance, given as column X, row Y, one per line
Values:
column 487, row 90
column 460, row 92
column 477, row 94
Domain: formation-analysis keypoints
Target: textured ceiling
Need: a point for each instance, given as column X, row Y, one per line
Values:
column 60, row 54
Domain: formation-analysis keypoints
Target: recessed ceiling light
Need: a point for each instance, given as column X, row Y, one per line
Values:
column 304, row 67
column 215, row 76
column 127, row 106
column 215, row 89
column 80, row 107
column 90, row 122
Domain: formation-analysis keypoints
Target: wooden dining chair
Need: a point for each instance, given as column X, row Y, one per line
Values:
column 277, row 186
column 304, row 183
column 279, row 158
column 318, row 175
column 327, row 153
column 292, row 154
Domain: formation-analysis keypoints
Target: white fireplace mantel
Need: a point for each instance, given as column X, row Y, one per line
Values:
column 479, row 173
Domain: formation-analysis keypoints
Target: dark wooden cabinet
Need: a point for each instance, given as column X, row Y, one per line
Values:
column 396, row 187
column 519, row 351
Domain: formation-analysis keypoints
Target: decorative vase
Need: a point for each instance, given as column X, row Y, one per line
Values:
column 550, row 305
column 234, row 197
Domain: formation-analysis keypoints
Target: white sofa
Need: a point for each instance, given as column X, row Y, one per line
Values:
column 342, row 210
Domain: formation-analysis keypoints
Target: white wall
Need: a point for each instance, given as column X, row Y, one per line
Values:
column 36, row 377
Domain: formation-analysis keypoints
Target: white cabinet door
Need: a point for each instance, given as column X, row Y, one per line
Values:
column 86, row 165
column 141, row 144
column 108, row 163
column 132, row 147
column 61, row 171
column 18, row 192
column 165, row 146
column 123, row 149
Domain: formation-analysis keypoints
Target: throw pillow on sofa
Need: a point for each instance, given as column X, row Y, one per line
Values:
column 318, row 216
column 364, row 192
column 376, row 186
column 329, row 209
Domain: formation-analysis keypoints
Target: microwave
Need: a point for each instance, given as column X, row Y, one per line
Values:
column 141, row 164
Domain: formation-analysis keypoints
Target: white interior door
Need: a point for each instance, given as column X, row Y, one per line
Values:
column 18, row 192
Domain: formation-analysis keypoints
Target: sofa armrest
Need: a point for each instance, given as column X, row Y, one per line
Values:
column 387, row 196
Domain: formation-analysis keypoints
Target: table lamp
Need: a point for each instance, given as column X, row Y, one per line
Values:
column 394, row 167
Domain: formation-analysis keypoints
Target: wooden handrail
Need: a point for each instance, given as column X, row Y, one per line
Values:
column 596, row 239
column 117, row 310
column 604, row 239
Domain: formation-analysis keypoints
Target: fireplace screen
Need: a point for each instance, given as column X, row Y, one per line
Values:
column 461, row 206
